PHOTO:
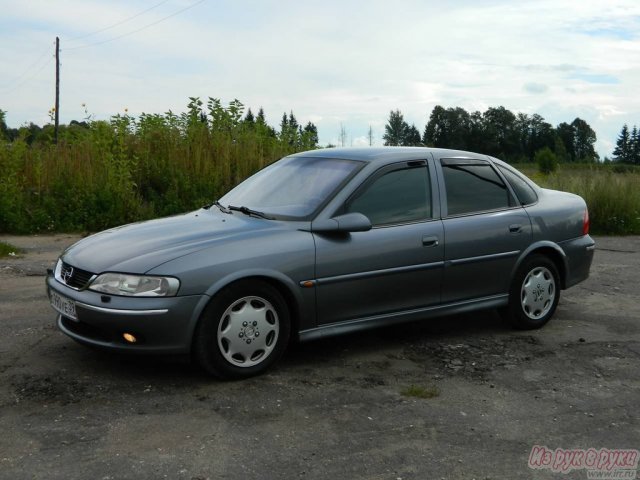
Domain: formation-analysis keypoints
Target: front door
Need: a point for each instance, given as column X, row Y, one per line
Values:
column 394, row 267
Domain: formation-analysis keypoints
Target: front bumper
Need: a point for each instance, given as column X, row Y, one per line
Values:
column 161, row 325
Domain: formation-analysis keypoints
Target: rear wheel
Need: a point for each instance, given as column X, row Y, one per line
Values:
column 534, row 293
column 243, row 331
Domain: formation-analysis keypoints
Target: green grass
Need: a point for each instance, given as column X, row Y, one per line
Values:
column 612, row 193
column 8, row 250
column 418, row 391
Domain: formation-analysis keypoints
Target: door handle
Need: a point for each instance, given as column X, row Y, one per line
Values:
column 429, row 241
column 515, row 228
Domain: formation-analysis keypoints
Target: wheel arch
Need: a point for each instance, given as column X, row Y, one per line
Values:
column 283, row 284
column 550, row 250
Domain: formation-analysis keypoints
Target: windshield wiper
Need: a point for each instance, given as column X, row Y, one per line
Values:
column 222, row 208
column 249, row 211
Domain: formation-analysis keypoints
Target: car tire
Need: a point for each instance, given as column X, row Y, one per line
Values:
column 534, row 293
column 243, row 331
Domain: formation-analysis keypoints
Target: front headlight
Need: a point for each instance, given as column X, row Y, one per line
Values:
column 135, row 285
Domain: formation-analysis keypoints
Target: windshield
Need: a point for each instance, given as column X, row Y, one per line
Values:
column 292, row 188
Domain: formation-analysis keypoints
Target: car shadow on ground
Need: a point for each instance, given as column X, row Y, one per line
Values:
column 308, row 355
column 398, row 336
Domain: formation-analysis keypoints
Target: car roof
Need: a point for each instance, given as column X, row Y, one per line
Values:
column 386, row 154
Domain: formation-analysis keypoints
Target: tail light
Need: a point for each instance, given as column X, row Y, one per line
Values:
column 585, row 222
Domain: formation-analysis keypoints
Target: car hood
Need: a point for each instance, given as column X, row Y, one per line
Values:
column 140, row 247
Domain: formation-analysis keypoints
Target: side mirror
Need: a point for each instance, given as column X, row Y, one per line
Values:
column 349, row 222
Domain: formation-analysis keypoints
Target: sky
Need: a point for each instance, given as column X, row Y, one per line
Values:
column 334, row 63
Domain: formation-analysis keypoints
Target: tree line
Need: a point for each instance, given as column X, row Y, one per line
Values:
column 497, row 132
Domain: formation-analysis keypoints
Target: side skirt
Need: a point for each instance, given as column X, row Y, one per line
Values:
column 384, row 320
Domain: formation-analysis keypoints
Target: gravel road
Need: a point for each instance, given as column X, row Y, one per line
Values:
column 343, row 408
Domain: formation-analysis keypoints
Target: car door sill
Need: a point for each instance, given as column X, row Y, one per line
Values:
column 382, row 320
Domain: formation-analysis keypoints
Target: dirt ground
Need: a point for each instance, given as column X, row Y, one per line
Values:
column 331, row 409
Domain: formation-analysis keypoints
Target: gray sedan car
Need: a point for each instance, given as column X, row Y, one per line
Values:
column 322, row 243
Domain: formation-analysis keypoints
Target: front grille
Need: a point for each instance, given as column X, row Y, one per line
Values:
column 74, row 277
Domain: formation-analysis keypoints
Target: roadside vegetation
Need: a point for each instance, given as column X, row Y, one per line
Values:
column 612, row 192
column 8, row 250
column 107, row 173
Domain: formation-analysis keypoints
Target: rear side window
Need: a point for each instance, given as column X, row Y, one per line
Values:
column 524, row 192
column 474, row 187
column 399, row 196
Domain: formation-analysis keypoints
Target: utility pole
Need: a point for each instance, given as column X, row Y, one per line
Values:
column 57, row 107
column 343, row 136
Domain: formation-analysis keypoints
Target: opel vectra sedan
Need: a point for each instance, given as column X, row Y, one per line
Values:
column 322, row 243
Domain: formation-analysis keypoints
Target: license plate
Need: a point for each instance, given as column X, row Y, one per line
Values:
column 64, row 305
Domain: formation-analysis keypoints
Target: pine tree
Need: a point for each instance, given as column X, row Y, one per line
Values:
column 261, row 118
column 249, row 118
column 309, row 136
column 634, row 149
column 261, row 125
column 412, row 137
column 623, row 144
column 293, row 123
column 395, row 131
column 284, row 124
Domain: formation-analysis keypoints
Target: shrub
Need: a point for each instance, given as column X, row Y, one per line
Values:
column 546, row 160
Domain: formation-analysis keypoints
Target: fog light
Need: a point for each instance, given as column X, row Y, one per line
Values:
column 129, row 337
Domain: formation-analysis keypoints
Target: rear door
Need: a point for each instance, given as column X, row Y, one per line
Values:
column 395, row 266
column 485, row 229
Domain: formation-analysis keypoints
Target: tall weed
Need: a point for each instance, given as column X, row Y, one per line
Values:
column 129, row 169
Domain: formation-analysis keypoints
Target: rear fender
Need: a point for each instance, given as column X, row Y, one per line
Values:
column 552, row 250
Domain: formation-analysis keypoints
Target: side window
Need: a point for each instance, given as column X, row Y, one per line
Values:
column 524, row 192
column 474, row 187
column 399, row 196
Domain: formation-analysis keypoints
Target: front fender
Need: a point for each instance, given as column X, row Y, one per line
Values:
column 303, row 299
column 279, row 277
column 283, row 257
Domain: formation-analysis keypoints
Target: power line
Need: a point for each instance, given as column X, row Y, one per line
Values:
column 138, row 30
column 118, row 23
column 27, row 80
column 25, row 71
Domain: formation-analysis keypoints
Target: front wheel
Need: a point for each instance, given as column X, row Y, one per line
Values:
column 243, row 331
column 534, row 293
